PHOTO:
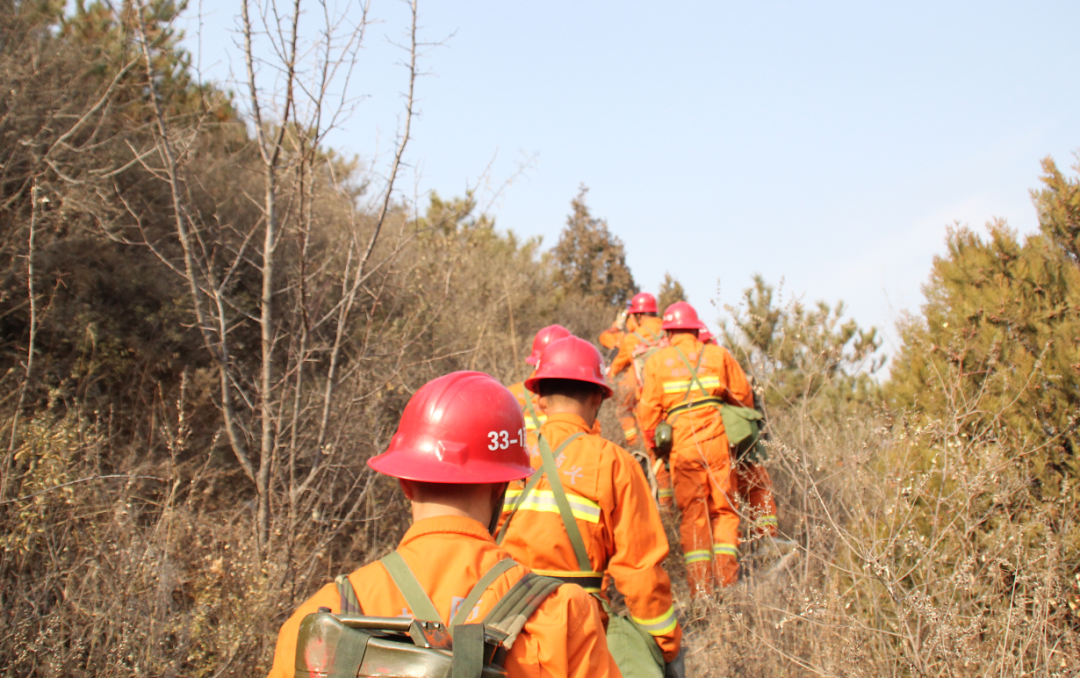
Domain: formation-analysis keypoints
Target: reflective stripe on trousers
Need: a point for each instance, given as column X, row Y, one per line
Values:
column 726, row 550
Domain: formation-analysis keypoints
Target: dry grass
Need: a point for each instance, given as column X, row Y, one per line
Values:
column 919, row 554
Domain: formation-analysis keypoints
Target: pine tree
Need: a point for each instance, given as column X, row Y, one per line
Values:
column 800, row 353
column 996, row 353
column 591, row 260
column 671, row 290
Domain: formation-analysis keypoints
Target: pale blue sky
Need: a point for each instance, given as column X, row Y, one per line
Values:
column 827, row 144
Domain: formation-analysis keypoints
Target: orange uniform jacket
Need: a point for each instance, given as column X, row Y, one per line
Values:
column 525, row 397
column 618, row 519
column 611, row 337
column 448, row 554
column 647, row 327
column 667, row 384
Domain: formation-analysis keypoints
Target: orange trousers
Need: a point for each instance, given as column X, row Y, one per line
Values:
column 709, row 526
column 626, row 387
column 754, row 488
column 627, row 391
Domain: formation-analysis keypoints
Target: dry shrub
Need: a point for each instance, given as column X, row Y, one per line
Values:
column 920, row 552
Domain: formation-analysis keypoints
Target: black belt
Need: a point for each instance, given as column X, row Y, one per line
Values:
column 695, row 403
column 587, row 583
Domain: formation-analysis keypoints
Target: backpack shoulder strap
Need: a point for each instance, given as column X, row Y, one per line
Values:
column 478, row 590
column 694, row 380
column 415, row 596
column 533, row 480
column 651, row 341
column 567, row 514
column 350, row 604
column 530, row 411
column 500, row 627
column 520, row 602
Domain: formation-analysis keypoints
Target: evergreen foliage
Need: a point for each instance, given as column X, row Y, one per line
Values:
column 797, row 353
column 591, row 259
column 671, row 290
column 937, row 525
column 999, row 336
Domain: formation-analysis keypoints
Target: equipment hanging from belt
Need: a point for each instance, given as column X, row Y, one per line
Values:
column 740, row 423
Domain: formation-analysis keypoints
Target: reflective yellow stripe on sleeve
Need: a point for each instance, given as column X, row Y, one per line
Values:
column 658, row 626
column 544, row 501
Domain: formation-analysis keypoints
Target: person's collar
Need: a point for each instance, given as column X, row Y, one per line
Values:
column 567, row 418
column 684, row 341
column 654, row 324
column 446, row 525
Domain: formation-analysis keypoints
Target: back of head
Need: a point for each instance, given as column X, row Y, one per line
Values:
column 568, row 388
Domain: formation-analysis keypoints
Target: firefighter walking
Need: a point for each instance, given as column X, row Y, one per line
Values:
column 461, row 439
column 644, row 331
column 684, row 385
column 534, row 416
column 613, row 527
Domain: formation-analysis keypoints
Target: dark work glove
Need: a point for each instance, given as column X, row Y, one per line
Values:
column 676, row 668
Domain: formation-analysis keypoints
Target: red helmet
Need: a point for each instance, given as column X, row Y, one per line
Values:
column 682, row 316
column 643, row 302
column 570, row 358
column 705, row 336
column 464, row 427
column 543, row 338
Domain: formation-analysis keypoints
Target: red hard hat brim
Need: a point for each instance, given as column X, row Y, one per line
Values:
column 402, row 466
column 533, row 359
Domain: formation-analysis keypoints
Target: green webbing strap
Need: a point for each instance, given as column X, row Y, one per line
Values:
column 552, row 472
column 655, row 339
column 675, row 411
column 478, row 590
column 514, row 609
column 468, row 658
column 530, row 409
column 350, row 604
column 693, row 370
column 415, row 596
column 507, row 616
column 533, row 480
